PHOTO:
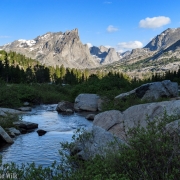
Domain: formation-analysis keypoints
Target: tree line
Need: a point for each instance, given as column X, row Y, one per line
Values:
column 16, row 68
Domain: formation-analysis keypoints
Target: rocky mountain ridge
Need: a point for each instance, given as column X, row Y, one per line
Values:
column 104, row 55
column 161, row 54
column 60, row 48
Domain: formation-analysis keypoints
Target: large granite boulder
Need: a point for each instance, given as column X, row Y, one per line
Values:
column 4, row 137
column 86, row 102
column 153, row 91
column 65, row 106
column 98, row 142
column 25, row 108
column 113, row 124
column 25, row 125
column 173, row 127
column 7, row 111
column 118, row 122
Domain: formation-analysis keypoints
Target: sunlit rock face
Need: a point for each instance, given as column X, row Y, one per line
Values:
column 55, row 49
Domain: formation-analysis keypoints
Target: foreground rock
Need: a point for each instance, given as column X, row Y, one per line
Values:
column 4, row 137
column 173, row 127
column 41, row 132
column 86, row 102
column 8, row 111
column 25, row 109
column 13, row 132
column 115, row 123
column 118, row 122
column 153, row 91
column 95, row 143
column 90, row 117
column 65, row 106
column 25, row 125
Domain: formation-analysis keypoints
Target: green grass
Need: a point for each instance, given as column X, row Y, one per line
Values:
column 14, row 95
column 7, row 121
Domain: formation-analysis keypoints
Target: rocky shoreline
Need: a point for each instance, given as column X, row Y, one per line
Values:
column 20, row 127
column 114, row 123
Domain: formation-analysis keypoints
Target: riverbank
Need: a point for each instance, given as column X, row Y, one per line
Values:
column 44, row 150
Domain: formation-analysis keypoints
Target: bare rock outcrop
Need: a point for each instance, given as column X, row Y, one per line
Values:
column 111, row 125
column 95, row 143
column 153, row 91
column 4, row 137
column 7, row 111
column 54, row 49
column 65, row 106
column 86, row 102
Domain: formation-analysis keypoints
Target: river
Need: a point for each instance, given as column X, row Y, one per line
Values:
column 44, row 150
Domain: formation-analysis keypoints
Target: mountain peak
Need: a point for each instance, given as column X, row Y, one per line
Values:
column 164, row 40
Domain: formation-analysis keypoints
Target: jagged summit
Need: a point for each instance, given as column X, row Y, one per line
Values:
column 104, row 55
column 63, row 48
column 164, row 40
column 55, row 49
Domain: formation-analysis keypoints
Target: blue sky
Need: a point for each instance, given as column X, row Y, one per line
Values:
column 122, row 24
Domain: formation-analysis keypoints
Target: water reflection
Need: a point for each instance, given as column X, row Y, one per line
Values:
column 43, row 150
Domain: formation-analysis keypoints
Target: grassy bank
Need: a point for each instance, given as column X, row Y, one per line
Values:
column 14, row 95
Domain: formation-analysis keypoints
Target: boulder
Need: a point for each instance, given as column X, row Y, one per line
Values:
column 90, row 117
column 25, row 125
column 4, row 137
column 153, row 91
column 173, row 127
column 100, row 104
column 7, row 111
column 13, row 131
column 41, row 132
column 24, row 109
column 114, row 124
column 118, row 123
column 63, row 106
column 86, row 102
column 97, row 142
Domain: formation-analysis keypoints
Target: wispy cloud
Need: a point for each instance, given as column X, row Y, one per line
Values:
column 111, row 29
column 3, row 37
column 154, row 22
column 107, row 2
column 89, row 45
column 124, row 46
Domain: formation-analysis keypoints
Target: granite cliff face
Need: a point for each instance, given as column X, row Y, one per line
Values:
column 55, row 49
column 164, row 40
column 104, row 55
column 66, row 48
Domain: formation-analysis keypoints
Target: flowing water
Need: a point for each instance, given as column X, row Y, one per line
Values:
column 44, row 150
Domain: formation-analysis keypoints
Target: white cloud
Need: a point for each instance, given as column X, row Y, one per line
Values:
column 124, row 46
column 154, row 22
column 89, row 45
column 111, row 29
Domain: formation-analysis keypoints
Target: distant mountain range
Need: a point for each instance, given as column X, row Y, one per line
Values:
column 63, row 48
column 67, row 49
